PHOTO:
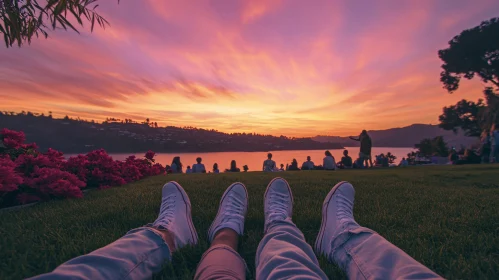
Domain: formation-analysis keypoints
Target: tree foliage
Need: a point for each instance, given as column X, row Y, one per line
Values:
column 473, row 52
column 472, row 117
column 464, row 115
column 21, row 20
column 436, row 146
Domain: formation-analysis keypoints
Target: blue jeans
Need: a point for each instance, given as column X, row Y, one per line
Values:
column 282, row 253
column 137, row 255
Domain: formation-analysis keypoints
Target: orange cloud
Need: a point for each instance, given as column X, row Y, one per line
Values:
column 281, row 67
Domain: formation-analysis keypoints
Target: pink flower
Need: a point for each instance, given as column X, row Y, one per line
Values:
column 12, row 139
column 150, row 155
column 34, row 176
column 31, row 146
column 9, row 178
column 26, row 164
column 55, row 156
column 55, row 182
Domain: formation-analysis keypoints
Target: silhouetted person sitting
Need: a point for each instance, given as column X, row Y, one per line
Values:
column 176, row 165
column 453, row 157
column 282, row 167
column 188, row 170
column 269, row 164
column 404, row 162
column 215, row 168
column 168, row 169
column 329, row 162
column 469, row 157
column 233, row 167
column 198, row 167
column 379, row 159
column 385, row 162
column 346, row 161
column 294, row 166
column 308, row 165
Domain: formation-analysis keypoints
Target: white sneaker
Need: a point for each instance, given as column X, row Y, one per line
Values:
column 278, row 202
column 337, row 214
column 175, row 215
column 232, row 210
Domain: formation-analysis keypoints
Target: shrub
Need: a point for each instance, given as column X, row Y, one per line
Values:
column 26, row 175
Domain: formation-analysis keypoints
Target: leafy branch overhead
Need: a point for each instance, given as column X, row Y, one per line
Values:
column 474, row 52
column 21, row 20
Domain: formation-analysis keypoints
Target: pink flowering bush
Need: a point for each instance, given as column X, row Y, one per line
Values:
column 53, row 182
column 12, row 139
column 150, row 155
column 9, row 178
column 26, row 175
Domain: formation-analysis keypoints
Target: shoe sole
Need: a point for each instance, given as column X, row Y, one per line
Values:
column 289, row 188
column 222, row 199
column 325, row 204
column 188, row 206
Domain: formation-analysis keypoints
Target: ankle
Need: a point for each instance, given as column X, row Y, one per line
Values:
column 226, row 236
column 167, row 236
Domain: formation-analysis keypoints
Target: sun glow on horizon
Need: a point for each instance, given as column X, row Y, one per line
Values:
column 270, row 67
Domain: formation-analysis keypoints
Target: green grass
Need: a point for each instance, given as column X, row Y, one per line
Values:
column 445, row 217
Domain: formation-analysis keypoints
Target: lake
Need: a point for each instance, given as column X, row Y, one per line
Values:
column 254, row 160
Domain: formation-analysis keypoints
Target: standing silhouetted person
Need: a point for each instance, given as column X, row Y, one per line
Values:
column 365, row 147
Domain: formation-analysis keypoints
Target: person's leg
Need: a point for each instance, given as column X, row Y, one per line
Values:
column 492, row 154
column 496, row 154
column 141, row 252
column 221, row 260
column 361, row 252
column 283, row 251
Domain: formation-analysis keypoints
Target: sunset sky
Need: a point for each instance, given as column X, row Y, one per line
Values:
column 298, row 68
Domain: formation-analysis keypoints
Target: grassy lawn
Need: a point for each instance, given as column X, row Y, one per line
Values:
column 445, row 217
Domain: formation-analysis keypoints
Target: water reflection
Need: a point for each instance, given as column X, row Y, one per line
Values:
column 254, row 160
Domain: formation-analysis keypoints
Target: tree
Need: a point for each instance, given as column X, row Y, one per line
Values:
column 465, row 115
column 21, row 20
column 473, row 52
column 435, row 146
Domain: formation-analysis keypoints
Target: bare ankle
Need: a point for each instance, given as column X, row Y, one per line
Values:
column 226, row 236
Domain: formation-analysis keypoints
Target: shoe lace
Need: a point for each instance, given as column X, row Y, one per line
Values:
column 235, row 209
column 279, row 206
column 167, row 209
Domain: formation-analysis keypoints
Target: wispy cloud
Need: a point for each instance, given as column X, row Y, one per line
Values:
column 282, row 67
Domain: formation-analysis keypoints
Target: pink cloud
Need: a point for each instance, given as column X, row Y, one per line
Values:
column 281, row 67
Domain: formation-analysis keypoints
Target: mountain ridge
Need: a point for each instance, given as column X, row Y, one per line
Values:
column 406, row 136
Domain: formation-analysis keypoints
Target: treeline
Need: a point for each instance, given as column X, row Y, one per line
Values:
column 71, row 135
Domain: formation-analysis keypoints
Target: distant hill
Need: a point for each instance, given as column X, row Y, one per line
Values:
column 116, row 136
column 405, row 137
